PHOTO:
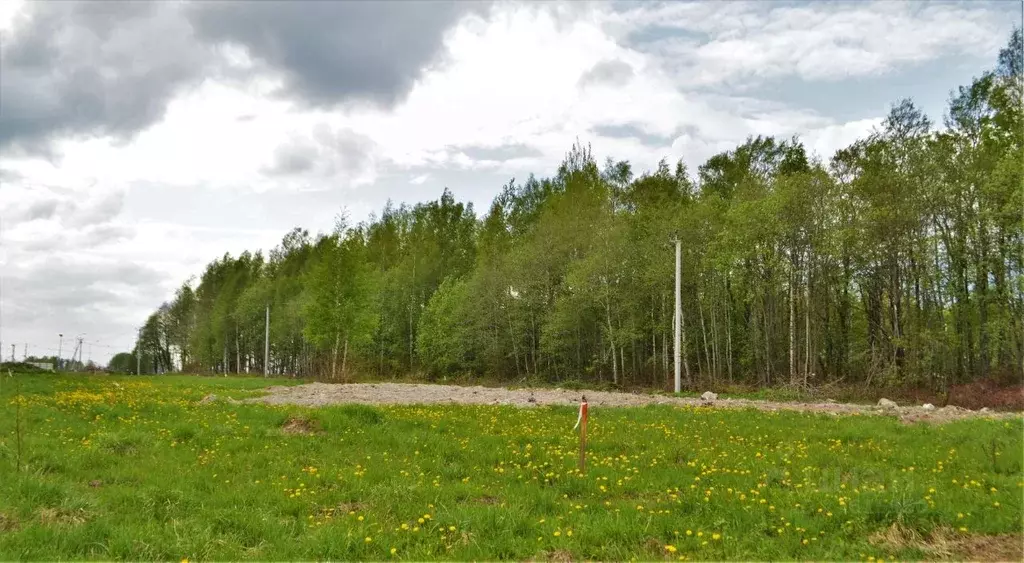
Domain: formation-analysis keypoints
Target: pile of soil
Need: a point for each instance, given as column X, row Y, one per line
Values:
column 321, row 394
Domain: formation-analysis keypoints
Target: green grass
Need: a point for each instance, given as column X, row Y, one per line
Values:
column 143, row 472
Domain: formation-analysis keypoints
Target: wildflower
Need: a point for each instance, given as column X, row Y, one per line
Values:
column 451, row 528
column 367, row 539
column 689, row 532
column 716, row 537
column 557, row 533
column 670, row 548
column 394, row 550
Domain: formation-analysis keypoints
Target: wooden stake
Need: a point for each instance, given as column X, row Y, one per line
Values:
column 583, row 435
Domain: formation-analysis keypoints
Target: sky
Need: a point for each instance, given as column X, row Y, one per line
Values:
column 139, row 141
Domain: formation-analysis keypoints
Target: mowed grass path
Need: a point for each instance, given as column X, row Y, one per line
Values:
column 143, row 470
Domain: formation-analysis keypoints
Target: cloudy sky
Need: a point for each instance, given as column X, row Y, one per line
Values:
column 140, row 140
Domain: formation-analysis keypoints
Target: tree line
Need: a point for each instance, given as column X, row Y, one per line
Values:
column 896, row 261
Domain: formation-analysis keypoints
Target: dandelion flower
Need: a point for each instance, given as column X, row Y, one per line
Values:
column 670, row 548
column 368, row 539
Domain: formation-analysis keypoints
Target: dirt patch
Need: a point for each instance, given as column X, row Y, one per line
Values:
column 347, row 507
column 486, row 500
column 946, row 543
column 61, row 516
column 321, row 394
column 7, row 524
column 211, row 398
column 95, row 483
column 301, row 426
column 558, row 556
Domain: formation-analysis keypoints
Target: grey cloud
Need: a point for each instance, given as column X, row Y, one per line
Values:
column 103, row 68
column 98, row 211
column 502, row 153
column 40, row 210
column 99, row 235
column 607, row 72
column 632, row 131
column 293, row 158
column 334, row 52
column 328, row 152
column 92, row 68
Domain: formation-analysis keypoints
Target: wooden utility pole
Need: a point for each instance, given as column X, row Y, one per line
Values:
column 678, row 315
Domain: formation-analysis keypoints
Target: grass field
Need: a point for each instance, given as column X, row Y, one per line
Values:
column 144, row 470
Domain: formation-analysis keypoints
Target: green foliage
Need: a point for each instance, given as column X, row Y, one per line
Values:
column 123, row 362
column 442, row 339
column 898, row 260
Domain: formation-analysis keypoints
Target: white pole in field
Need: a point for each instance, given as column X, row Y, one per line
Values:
column 678, row 315
column 266, row 345
column 138, row 353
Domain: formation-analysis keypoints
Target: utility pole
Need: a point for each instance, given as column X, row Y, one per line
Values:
column 12, row 352
column 138, row 353
column 266, row 345
column 60, row 346
column 678, row 315
column 24, row 355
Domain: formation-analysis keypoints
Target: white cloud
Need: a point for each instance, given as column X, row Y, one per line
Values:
column 815, row 41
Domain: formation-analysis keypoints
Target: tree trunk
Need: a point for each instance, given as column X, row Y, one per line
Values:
column 704, row 334
column 238, row 352
column 344, row 362
column 807, row 317
column 792, row 322
column 611, row 336
column 334, row 356
column 728, row 326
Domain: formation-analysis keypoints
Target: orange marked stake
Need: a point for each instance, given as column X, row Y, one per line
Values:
column 581, row 423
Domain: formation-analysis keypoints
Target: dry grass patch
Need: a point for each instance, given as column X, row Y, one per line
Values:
column 61, row 516
column 298, row 425
column 946, row 543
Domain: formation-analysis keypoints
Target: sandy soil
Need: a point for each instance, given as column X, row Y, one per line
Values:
column 320, row 394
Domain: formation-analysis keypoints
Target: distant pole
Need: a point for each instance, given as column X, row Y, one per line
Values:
column 678, row 315
column 12, row 352
column 60, row 346
column 24, row 355
column 266, row 345
column 138, row 353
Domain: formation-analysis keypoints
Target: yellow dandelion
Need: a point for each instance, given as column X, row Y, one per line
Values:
column 670, row 548
column 367, row 539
